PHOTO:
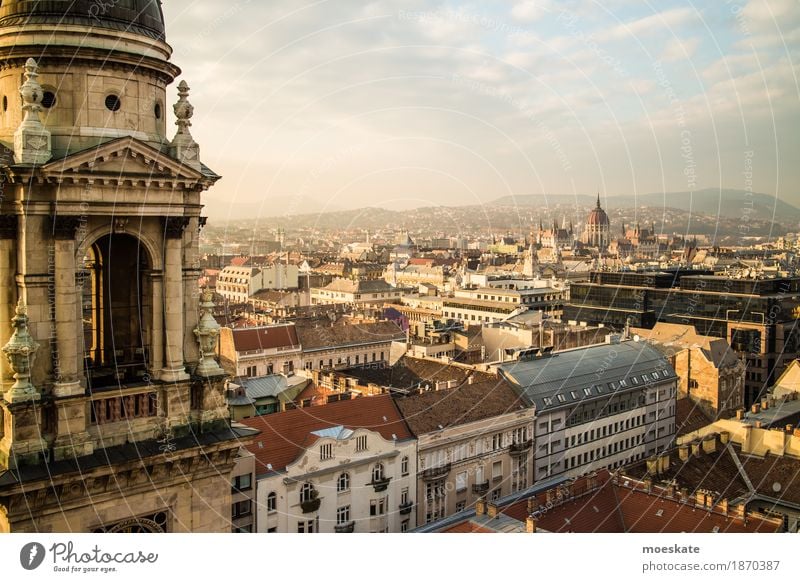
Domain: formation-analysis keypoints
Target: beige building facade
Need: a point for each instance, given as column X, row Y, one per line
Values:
column 330, row 473
column 489, row 458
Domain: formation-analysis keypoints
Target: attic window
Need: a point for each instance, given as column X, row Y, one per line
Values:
column 113, row 103
column 561, row 398
column 659, row 513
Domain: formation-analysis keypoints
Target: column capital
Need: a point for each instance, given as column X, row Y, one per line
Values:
column 8, row 226
column 174, row 226
column 65, row 227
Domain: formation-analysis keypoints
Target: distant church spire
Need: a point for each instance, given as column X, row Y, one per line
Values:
column 598, row 199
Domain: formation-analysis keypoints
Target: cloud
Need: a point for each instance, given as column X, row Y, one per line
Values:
column 411, row 84
column 530, row 10
column 679, row 49
column 649, row 25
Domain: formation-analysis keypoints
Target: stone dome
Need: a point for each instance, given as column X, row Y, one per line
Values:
column 142, row 17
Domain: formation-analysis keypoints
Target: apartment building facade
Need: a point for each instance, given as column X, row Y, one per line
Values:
column 347, row 467
column 473, row 440
column 597, row 407
column 493, row 304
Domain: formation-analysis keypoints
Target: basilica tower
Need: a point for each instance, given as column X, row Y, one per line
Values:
column 100, row 214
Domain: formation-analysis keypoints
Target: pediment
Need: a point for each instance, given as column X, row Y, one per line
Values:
column 123, row 158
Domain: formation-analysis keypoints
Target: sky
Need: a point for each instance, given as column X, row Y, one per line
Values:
column 337, row 104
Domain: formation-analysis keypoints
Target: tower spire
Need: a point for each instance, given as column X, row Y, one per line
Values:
column 598, row 199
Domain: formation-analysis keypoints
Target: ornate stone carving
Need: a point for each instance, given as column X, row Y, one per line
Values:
column 32, row 144
column 8, row 226
column 120, row 224
column 207, row 332
column 174, row 226
column 21, row 351
column 65, row 227
column 184, row 148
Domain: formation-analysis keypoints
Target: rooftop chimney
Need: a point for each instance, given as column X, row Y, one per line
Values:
column 663, row 463
column 491, row 510
column 480, row 506
column 683, row 452
column 710, row 443
column 530, row 524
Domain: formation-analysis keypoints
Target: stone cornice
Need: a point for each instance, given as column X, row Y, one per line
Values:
column 73, row 490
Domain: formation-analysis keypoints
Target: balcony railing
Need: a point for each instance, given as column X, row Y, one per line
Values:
column 348, row 527
column 481, row 488
column 520, row 448
column 436, row 472
column 310, row 505
column 405, row 508
column 380, row 484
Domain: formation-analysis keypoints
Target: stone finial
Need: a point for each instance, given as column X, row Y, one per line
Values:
column 21, row 351
column 32, row 143
column 184, row 148
column 207, row 332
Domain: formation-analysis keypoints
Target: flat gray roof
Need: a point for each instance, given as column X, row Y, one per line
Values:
column 594, row 372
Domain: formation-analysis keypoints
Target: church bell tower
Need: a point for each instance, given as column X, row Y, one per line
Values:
column 107, row 382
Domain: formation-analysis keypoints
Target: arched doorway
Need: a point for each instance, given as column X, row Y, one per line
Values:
column 117, row 310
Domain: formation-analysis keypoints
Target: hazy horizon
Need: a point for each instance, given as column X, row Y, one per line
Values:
column 407, row 104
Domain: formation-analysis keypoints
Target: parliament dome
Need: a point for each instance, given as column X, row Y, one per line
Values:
column 598, row 216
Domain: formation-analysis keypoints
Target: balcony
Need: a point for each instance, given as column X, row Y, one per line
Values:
column 348, row 527
column 405, row 508
column 310, row 505
column 520, row 448
column 481, row 488
column 436, row 472
column 380, row 484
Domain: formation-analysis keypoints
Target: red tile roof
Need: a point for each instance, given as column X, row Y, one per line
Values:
column 263, row 338
column 284, row 435
column 626, row 506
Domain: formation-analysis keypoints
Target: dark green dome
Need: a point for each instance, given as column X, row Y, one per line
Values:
column 137, row 16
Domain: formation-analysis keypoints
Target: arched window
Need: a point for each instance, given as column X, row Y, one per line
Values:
column 307, row 493
column 404, row 466
column 377, row 472
column 343, row 484
column 272, row 501
column 117, row 319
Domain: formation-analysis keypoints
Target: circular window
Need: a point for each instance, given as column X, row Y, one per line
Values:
column 157, row 110
column 48, row 100
column 113, row 103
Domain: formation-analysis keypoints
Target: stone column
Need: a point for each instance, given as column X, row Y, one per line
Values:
column 157, row 343
column 8, row 289
column 67, row 377
column 174, row 367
